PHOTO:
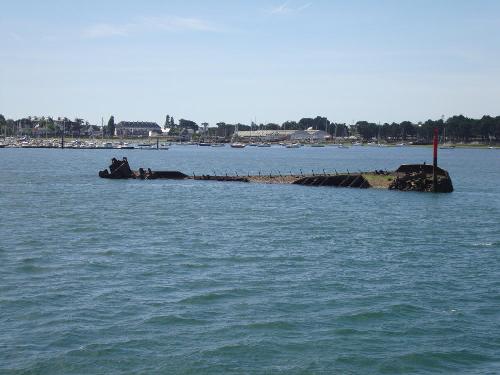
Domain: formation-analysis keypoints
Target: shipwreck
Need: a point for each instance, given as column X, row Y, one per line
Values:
column 408, row 177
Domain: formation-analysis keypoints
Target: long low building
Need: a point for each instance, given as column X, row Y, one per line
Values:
column 283, row 135
column 310, row 135
column 265, row 135
column 136, row 128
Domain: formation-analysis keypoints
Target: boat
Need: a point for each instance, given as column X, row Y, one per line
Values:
column 204, row 144
column 342, row 146
column 217, row 145
column 125, row 146
column 446, row 145
column 293, row 145
column 235, row 138
column 317, row 145
column 264, row 145
column 238, row 145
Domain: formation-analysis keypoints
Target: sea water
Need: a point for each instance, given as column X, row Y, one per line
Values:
column 200, row 277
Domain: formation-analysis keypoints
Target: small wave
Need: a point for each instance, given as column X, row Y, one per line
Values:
column 364, row 316
column 347, row 331
column 436, row 360
column 194, row 265
column 98, row 265
column 106, row 252
column 404, row 308
column 356, row 360
column 31, row 268
column 277, row 324
column 206, row 298
column 172, row 319
column 486, row 244
column 239, row 349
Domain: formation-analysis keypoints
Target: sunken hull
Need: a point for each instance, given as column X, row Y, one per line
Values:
column 408, row 177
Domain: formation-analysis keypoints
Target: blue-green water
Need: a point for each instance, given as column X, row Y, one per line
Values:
column 194, row 277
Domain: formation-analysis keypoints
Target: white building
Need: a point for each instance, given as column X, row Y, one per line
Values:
column 137, row 128
column 310, row 135
column 285, row 135
column 266, row 135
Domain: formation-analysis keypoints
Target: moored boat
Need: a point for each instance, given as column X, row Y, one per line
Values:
column 238, row 145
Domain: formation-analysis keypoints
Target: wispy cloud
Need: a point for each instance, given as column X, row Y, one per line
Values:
column 105, row 30
column 177, row 24
column 15, row 36
column 286, row 8
column 148, row 24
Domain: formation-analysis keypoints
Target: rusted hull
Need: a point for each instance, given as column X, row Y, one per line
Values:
column 413, row 177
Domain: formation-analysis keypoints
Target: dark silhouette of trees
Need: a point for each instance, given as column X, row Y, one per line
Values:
column 290, row 125
column 3, row 125
column 457, row 128
column 76, row 126
column 188, row 124
column 111, row 126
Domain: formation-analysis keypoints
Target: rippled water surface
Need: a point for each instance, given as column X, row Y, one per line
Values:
column 194, row 277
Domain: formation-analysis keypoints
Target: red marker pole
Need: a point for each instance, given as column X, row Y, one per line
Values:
column 435, row 161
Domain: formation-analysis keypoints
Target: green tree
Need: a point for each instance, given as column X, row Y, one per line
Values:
column 367, row 130
column 183, row 123
column 111, row 126
column 3, row 125
column 76, row 126
column 224, row 130
column 167, row 122
column 306, row 123
column 174, row 131
column 270, row 126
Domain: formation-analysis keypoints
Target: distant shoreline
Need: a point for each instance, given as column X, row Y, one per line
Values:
column 121, row 143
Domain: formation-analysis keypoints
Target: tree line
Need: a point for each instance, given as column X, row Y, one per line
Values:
column 44, row 126
column 455, row 129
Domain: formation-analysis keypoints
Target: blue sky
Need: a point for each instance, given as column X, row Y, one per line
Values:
column 234, row 61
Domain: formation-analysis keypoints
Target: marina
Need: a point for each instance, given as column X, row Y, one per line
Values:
column 162, row 144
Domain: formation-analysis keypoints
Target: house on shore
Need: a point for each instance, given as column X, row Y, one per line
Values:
column 137, row 128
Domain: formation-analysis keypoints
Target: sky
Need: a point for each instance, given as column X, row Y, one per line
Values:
column 238, row 61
